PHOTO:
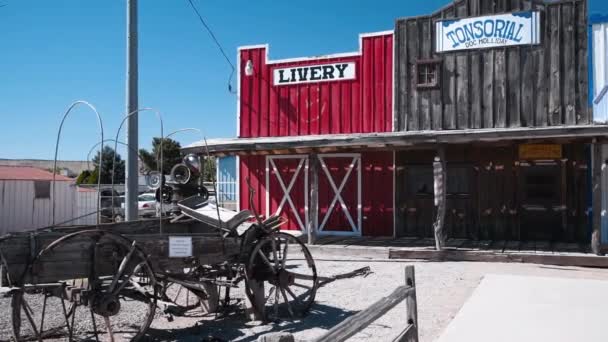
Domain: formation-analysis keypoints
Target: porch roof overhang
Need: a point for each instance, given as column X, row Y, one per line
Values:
column 391, row 140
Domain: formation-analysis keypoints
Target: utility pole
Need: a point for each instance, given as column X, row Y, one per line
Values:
column 132, row 174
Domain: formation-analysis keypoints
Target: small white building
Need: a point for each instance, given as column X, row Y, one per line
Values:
column 25, row 198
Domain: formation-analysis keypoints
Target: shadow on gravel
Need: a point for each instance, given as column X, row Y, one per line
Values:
column 235, row 326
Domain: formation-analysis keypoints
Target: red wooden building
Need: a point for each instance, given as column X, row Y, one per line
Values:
column 329, row 95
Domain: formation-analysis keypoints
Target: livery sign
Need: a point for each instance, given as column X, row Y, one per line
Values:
column 521, row 28
column 314, row 73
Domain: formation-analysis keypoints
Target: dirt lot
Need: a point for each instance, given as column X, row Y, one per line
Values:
column 442, row 290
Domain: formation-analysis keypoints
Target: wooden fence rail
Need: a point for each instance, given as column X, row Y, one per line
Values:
column 354, row 324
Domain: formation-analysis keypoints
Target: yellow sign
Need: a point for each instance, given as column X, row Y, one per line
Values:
column 540, row 151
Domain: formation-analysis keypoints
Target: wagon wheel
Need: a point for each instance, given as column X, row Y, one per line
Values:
column 282, row 269
column 181, row 296
column 105, row 291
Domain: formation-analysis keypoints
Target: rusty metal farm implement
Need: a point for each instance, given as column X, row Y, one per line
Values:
column 106, row 283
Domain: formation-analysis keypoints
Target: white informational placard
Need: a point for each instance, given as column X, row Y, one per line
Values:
column 180, row 246
column 509, row 29
column 314, row 73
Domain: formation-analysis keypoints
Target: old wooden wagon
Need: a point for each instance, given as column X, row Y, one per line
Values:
column 105, row 282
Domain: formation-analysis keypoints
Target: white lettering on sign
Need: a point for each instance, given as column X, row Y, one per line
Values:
column 180, row 246
column 521, row 28
column 314, row 73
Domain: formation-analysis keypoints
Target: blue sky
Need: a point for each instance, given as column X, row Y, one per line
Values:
column 55, row 52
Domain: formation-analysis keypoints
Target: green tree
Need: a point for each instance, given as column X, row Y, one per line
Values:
column 83, row 177
column 171, row 154
column 106, row 167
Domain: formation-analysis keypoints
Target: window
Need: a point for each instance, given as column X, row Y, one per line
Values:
column 428, row 73
column 42, row 189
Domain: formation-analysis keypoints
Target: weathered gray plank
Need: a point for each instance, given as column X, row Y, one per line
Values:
column 582, row 95
column 402, row 69
column 424, row 25
column 412, row 55
column 488, row 89
column 476, row 90
column 462, row 79
column 514, row 87
column 527, row 87
column 555, row 77
column 568, row 67
column 500, row 89
column 462, row 91
column 449, row 84
column 436, row 101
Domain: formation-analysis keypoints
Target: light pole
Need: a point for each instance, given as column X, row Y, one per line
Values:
column 132, row 170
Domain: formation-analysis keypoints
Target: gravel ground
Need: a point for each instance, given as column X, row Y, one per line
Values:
column 442, row 289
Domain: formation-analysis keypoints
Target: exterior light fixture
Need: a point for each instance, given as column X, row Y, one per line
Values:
column 249, row 68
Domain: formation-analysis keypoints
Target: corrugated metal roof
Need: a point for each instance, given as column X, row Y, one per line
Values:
column 28, row 173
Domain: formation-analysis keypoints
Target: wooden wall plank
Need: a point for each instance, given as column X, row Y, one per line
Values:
column 401, row 74
column 448, row 84
column 476, row 90
column 500, row 89
column 527, row 87
column 555, row 77
column 412, row 57
column 436, row 100
column 424, row 26
column 514, row 87
column 488, row 89
column 462, row 80
column 582, row 84
column 568, row 67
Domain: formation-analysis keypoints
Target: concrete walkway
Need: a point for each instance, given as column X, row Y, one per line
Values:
column 525, row 308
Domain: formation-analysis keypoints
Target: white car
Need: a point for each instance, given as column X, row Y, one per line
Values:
column 146, row 205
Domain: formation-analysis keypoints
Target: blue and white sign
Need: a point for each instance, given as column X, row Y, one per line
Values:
column 521, row 28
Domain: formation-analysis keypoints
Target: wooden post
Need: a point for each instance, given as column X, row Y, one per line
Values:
column 412, row 305
column 257, row 287
column 440, row 183
column 313, row 209
column 596, row 188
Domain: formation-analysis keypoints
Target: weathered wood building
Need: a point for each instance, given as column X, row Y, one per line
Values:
column 475, row 118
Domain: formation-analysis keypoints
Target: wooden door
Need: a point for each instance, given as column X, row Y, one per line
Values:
column 540, row 189
column 287, row 190
column 339, row 194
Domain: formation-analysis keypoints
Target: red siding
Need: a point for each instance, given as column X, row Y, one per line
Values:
column 376, row 193
column 363, row 105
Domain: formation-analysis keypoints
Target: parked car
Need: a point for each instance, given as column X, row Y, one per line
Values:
column 112, row 206
column 146, row 205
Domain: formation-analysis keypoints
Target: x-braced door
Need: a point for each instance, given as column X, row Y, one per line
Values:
column 339, row 194
column 287, row 190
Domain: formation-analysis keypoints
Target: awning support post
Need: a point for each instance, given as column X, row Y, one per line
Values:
column 439, row 182
column 313, row 210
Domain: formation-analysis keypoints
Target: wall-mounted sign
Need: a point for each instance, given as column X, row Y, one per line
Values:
column 180, row 246
column 521, row 28
column 540, row 151
column 314, row 73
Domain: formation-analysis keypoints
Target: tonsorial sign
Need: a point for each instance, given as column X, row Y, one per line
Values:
column 314, row 73
column 521, row 28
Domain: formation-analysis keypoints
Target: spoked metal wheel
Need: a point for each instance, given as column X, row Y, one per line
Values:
column 281, row 278
column 184, row 298
column 86, row 286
